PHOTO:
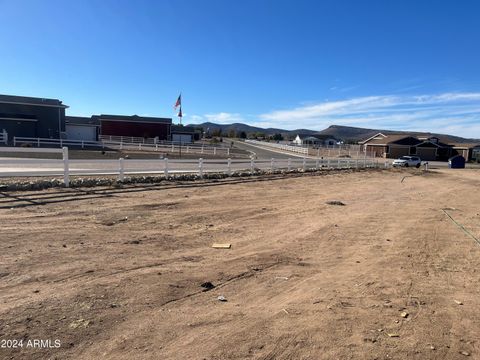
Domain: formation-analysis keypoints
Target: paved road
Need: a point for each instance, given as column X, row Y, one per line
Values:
column 263, row 153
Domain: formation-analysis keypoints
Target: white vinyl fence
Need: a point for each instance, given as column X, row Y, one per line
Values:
column 12, row 167
column 188, row 149
column 121, row 145
column 38, row 142
column 345, row 150
column 3, row 137
column 138, row 140
column 283, row 147
column 29, row 167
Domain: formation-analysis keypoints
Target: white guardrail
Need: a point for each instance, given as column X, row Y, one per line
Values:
column 28, row 167
column 187, row 148
column 284, row 147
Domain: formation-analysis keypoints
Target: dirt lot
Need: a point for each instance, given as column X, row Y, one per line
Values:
column 116, row 273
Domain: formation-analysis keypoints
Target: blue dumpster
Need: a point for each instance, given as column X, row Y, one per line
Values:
column 456, row 162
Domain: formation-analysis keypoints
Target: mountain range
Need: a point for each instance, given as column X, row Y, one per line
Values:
column 345, row 133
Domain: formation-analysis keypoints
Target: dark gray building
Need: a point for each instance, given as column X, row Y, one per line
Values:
column 32, row 117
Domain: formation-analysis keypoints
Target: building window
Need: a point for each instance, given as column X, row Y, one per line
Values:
column 413, row 150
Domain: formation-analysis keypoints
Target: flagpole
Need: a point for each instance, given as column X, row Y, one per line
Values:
column 180, row 112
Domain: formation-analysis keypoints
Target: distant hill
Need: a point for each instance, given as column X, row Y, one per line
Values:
column 348, row 133
column 345, row 133
column 239, row 127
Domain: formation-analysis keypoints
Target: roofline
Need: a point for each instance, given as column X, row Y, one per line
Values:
column 431, row 142
column 464, row 146
column 167, row 122
column 33, row 104
column 18, row 119
column 371, row 137
column 74, row 124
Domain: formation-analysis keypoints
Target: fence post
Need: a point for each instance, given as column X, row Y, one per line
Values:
column 328, row 163
column 228, row 151
column 202, row 149
column 304, row 163
column 200, row 167
column 14, row 141
column 165, row 171
column 83, row 144
column 316, row 164
column 61, row 143
column 215, row 151
column 187, row 148
column 156, row 147
column 173, row 147
column 121, row 174
column 252, row 165
column 289, row 164
column 66, row 175
column 338, row 163
column 139, row 146
column 272, row 164
column 229, row 166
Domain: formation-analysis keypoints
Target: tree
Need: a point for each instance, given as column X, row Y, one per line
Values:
column 277, row 137
column 232, row 133
column 243, row 135
column 260, row 135
column 217, row 132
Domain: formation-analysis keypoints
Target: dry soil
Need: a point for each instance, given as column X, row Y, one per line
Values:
column 117, row 273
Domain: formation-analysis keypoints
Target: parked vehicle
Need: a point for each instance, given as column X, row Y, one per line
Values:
column 407, row 161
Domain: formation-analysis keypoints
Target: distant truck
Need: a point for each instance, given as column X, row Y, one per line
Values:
column 407, row 161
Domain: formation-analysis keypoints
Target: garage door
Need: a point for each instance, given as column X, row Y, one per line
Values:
column 184, row 139
column 427, row 153
column 80, row 132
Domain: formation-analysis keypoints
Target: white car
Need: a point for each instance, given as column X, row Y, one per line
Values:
column 407, row 161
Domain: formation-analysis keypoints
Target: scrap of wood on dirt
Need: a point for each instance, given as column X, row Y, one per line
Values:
column 221, row 246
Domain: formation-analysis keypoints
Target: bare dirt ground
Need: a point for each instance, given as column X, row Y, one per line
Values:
column 116, row 273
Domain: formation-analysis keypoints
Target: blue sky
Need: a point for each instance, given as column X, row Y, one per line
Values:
column 402, row 65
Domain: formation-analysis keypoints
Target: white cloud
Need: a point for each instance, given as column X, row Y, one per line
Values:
column 224, row 118
column 456, row 112
column 194, row 118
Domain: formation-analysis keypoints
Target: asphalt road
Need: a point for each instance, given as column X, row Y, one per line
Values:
column 263, row 153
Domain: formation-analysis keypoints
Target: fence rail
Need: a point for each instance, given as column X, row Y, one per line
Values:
column 3, row 137
column 55, row 142
column 139, row 140
column 128, row 139
column 345, row 150
column 284, row 147
column 161, row 147
column 194, row 149
column 28, row 167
